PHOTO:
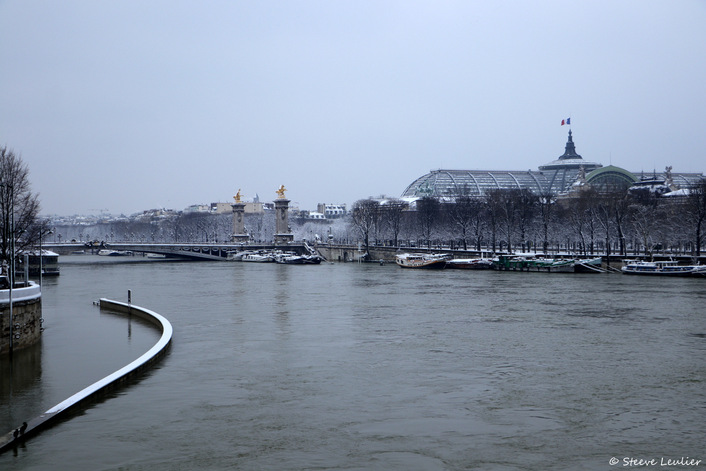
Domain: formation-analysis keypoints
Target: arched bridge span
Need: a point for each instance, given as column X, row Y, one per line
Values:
column 183, row 251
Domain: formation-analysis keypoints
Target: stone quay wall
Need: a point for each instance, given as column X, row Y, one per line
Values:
column 26, row 317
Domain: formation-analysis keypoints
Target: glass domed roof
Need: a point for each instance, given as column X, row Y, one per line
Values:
column 555, row 177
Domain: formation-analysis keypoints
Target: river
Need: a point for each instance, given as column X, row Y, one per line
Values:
column 364, row 367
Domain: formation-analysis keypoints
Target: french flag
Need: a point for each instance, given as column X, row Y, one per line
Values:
column 566, row 121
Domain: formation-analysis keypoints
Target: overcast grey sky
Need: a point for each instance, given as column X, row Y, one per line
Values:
column 131, row 105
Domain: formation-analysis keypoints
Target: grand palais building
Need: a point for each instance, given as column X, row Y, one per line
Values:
column 557, row 177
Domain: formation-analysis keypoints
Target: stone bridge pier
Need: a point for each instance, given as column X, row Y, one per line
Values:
column 282, row 233
column 239, row 233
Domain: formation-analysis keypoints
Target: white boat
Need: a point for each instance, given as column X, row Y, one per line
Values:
column 422, row 260
column 114, row 253
column 663, row 268
column 236, row 256
column 589, row 265
column 470, row 263
column 47, row 260
column 294, row 259
column 259, row 257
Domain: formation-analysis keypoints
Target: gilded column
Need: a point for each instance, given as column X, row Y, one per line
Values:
column 282, row 233
column 239, row 233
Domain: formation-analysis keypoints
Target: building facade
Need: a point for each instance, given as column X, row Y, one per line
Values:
column 331, row 211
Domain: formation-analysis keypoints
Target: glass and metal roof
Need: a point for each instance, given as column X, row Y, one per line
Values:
column 555, row 177
column 451, row 183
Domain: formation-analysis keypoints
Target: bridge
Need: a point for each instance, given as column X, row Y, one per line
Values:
column 186, row 251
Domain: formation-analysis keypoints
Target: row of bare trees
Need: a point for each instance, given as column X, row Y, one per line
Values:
column 586, row 222
column 182, row 227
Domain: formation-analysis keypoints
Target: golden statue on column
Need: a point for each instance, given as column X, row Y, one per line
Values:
column 280, row 192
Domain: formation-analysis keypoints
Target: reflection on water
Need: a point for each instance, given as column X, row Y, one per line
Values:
column 352, row 366
column 19, row 379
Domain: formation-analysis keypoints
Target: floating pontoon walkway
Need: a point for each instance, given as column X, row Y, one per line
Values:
column 60, row 411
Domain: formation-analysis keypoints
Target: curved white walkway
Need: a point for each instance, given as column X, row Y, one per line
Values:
column 35, row 425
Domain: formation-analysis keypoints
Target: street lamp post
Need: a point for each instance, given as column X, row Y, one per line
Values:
column 11, row 269
column 41, row 255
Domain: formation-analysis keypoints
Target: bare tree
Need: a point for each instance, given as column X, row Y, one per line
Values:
column 644, row 217
column 201, row 225
column 365, row 217
column 514, row 208
column 579, row 212
column 462, row 212
column 546, row 204
column 493, row 204
column 695, row 210
column 526, row 204
column 428, row 212
column 613, row 209
column 18, row 205
column 603, row 216
column 391, row 213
